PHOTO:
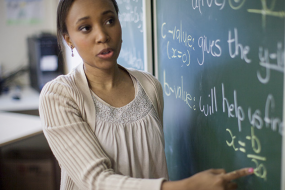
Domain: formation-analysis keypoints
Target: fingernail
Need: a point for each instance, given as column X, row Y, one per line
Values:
column 250, row 170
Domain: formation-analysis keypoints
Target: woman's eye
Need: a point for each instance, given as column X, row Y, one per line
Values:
column 110, row 21
column 84, row 28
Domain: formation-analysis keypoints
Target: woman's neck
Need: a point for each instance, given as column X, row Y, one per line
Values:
column 104, row 79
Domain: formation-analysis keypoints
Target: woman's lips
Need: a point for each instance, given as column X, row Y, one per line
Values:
column 105, row 53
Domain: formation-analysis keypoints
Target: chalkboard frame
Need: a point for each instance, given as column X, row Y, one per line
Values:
column 283, row 139
column 148, row 37
column 156, row 72
column 155, row 37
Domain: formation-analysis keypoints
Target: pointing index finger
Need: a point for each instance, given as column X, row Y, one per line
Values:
column 238, row 174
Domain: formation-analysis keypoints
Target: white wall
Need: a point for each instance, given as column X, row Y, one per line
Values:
column 13, row 46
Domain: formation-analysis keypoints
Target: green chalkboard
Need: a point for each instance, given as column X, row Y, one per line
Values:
column 221, row 65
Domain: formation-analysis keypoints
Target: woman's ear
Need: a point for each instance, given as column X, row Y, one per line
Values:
column 67, row 40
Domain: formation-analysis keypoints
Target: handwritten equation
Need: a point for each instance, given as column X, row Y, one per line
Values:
column 180, row 36
column 255, row 145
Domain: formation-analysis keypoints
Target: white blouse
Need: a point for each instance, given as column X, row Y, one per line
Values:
column 132, row 136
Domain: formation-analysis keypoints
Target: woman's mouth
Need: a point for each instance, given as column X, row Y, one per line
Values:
column 105, row 53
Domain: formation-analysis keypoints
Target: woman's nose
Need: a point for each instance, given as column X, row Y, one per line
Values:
column 101, row 35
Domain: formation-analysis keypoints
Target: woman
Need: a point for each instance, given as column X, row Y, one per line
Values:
column 104, row 122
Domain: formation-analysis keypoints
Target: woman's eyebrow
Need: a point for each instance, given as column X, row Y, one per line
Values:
column 106, row 12
column 83, row 18
column 87, row 17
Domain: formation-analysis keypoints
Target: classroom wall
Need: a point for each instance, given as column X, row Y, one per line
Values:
column 13, row 46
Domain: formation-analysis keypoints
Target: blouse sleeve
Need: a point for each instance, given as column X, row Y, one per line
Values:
column 76, row 147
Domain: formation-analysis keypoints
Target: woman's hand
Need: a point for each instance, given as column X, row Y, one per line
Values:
column 213, row 179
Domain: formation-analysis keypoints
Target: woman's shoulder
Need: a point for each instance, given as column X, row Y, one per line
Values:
column 135, row 71
column 144, row 76
column 60, row 84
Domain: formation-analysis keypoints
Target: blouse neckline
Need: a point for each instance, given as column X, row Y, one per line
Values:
column 102, row 101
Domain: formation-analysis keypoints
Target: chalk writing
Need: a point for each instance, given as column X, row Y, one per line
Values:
column 179, row 35
column 209, row 109
column 265, row 11
column 197, row 4
column 236, row 4
column 211, row 47
column 218, row 52
column 176, row 54
column 232, row 143
column 179, row 92
column 265, row 61
column 260, row 169
column 206, row 45
column 255, row 119
column 234, row 110
column 237, row 47
column 271, row 121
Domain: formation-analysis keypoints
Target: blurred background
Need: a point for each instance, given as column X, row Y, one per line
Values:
column 29, row 57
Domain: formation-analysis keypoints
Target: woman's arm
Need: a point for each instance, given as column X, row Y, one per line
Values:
column 74, row 144
column 213, row 179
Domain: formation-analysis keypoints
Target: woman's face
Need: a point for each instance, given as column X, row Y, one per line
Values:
column 95, row 31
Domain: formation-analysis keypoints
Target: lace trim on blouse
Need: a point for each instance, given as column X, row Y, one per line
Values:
column 138, row 108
